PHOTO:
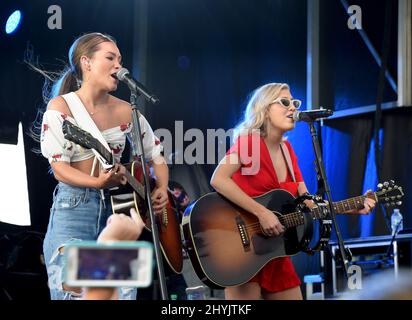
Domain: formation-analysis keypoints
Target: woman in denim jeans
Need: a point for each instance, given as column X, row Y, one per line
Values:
column 81, row 205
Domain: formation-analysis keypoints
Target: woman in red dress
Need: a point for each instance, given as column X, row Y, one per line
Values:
column 255, row 165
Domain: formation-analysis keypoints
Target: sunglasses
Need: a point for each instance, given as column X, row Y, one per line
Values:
column 285, row 102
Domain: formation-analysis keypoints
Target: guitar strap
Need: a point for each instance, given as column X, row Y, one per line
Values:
column 286, row 155
column 85, row 122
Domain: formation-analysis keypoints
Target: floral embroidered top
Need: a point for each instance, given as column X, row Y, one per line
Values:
column 56, row 148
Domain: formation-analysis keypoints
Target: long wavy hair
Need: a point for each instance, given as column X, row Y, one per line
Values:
column 70, row 78
column 255, row 114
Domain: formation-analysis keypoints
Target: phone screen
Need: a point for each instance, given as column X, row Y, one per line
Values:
column 103, row 265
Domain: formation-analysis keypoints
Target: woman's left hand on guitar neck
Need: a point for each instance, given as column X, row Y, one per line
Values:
column 368, row 205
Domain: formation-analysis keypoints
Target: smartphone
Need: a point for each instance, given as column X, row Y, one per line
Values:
column 116, row 264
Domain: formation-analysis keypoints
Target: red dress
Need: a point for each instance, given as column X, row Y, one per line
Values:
column 257, row 176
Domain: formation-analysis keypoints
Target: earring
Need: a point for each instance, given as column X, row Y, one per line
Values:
column 78, row 82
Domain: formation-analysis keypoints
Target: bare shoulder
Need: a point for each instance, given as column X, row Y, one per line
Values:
column 121, row 108
column 59, row 104
column 228, row 165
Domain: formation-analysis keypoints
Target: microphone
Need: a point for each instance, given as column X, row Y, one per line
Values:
column 311, row 115
column 124, row 75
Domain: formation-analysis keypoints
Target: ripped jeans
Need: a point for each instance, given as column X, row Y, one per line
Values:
column 77, row 214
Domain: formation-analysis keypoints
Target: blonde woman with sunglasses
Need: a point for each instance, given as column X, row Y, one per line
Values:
column 243, row 174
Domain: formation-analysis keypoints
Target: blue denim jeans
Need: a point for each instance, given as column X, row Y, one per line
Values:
column 77, row 214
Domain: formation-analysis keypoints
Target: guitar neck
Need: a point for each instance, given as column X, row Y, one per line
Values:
column 291, row 220
column 354, row 203
column 137, row 186
column 296, row 218
column 104, row 152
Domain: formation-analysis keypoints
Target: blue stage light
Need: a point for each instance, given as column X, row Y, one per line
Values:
column 13, row 22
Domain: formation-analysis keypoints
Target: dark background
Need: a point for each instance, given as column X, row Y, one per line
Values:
column 204, row 57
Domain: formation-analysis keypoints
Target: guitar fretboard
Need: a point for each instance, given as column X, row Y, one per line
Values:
column 136, row 185
column 349, row 204
column 292, row 220
column 296, row 218
column 104, row 152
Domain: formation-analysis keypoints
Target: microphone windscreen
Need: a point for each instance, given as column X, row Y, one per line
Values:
column 295, row 115
column 122, row 73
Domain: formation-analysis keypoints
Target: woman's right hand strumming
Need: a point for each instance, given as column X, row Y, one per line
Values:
column 270, row 223
column 112, row 177
column 223, row 183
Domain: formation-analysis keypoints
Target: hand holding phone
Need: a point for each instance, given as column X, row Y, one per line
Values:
column 122, row 228
column 117, row 264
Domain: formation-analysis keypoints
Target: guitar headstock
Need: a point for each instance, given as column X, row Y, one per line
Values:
column 75, row 134
column 389, row 193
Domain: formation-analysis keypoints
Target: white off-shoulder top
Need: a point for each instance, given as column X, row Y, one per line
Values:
column 56, row 148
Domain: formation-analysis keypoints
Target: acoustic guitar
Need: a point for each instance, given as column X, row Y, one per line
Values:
column 133, row 195
column 227, row 246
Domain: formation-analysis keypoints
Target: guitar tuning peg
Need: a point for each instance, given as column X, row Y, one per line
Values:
column 393, row 198
column 398, row 203
column 386, row 205
column 399, row 197
column 393, row 204
column 386, row 184
column 392, row 182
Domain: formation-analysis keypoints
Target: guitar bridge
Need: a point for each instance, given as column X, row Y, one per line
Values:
column 244, row 236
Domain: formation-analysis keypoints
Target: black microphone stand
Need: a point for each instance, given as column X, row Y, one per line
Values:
column 322, row 179
column 138, row 145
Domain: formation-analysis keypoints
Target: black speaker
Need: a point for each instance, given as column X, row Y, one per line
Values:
column 23, row 274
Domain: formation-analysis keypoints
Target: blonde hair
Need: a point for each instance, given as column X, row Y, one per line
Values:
column 259, row 101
